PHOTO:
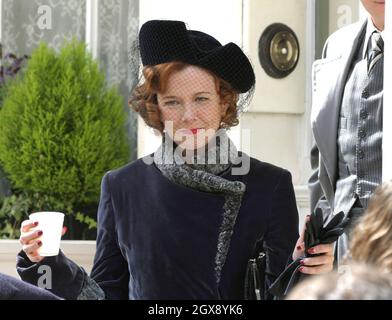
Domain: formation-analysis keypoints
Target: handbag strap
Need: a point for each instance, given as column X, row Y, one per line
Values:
column 254, row 285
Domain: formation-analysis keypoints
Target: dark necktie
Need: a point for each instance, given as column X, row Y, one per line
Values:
column 376, row 52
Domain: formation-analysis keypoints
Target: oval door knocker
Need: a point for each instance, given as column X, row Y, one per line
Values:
column 278, row 50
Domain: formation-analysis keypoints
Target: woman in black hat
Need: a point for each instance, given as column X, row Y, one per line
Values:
column 183, row 222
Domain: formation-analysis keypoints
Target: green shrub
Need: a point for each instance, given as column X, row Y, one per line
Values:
column 61, row 129
column 13, row 210
column 10, row 66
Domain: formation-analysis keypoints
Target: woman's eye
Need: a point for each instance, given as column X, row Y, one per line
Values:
column 201, row 99
column 171, row 103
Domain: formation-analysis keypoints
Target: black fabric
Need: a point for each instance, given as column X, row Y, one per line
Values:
column 15, row 289
column 157, row 239
column 207, row 177
column 67, row 277
column 353, row 218
column 254, row 284
column 163, row 41
column 317, row 232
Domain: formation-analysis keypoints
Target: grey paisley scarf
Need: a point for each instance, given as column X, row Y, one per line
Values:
column 203, row 173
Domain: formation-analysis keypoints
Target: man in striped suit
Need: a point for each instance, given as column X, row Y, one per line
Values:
column 346, row 120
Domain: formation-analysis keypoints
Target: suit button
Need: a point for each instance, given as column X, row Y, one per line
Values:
column 361, row 154
column 365, row 94
column 362, row 133
column 363, row 114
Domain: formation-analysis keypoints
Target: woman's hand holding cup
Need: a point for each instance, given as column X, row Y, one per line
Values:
column 32, row 238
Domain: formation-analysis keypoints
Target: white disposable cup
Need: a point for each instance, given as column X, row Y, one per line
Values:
column 51, row 225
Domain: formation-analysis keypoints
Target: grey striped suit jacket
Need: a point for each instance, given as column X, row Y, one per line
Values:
column 329, row 77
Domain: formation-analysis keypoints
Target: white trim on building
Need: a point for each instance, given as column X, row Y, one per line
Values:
column 92, row 26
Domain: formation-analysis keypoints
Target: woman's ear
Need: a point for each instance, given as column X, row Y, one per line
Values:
column 224, row 107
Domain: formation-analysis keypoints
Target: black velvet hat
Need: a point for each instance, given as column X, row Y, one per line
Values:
column 162, row 41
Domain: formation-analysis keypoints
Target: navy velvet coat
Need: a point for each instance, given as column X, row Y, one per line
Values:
column 158, row 239
column 14, row 289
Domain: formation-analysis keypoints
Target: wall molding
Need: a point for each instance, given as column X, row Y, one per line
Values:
column 302, row 196
column 92, row 27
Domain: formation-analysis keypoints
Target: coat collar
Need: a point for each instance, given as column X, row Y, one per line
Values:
column 208, row 178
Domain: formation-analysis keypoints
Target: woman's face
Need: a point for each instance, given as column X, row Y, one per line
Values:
column 190, row 108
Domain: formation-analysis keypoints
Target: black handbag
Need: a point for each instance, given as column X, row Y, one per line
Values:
column 254, row 285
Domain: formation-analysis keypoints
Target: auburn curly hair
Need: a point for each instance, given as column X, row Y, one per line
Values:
column 144, row 97
column 371, row 238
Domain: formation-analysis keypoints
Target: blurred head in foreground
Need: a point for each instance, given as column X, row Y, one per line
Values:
column 357, row 282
